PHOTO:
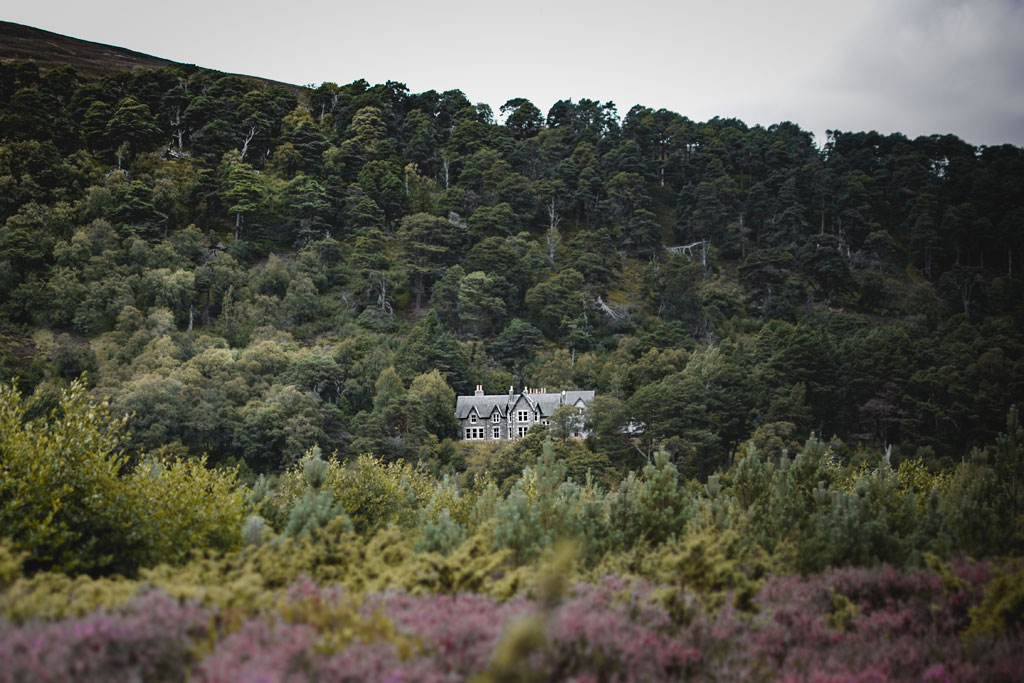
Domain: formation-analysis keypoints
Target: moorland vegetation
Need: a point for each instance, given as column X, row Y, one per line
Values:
column 235, row 316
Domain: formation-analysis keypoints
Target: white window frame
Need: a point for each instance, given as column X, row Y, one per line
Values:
column 496, row 418
column 522, row 431
column 523, row 416
column 496, row 431
column 472, row 418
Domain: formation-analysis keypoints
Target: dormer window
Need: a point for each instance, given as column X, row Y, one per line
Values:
column 523, row 416
column 495, row 418
column 472, row 418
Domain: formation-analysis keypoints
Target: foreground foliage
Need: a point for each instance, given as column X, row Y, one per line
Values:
column 849, row 624
column 774, row 568
column 71, row 500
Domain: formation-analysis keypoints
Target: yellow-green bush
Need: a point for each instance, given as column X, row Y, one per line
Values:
column 49, row 595
column 68, row 504
column 915, row 478
column 709, row 563
column 372, row 493
column 1002, row 610
column 182, row 505
column 61, row 499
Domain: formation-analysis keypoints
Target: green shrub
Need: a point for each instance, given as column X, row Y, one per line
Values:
column 181, row 505
column 61, row 499
column 66, row 502
column 372, row 493
column 1001, row 612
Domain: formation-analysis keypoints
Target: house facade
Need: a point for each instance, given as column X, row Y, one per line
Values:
column 501, row 417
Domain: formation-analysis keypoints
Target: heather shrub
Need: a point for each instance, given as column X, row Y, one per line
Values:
column 261, row 650
column 149, row 638
column 848, row 624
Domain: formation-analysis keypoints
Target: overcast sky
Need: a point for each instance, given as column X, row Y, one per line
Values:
column 913, row 66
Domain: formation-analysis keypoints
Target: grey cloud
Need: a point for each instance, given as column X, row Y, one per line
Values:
column 926, row 66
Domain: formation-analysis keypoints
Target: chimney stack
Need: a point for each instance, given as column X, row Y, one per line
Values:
column 479, row 389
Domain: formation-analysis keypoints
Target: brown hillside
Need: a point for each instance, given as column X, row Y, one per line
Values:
column 92, row 60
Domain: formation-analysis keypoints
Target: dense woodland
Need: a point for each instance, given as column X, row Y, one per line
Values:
column 235, row 317
column 238, row 265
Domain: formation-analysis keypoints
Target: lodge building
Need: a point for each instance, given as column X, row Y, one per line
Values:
column 501, row 417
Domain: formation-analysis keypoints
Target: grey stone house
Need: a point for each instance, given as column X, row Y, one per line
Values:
column 500, row 417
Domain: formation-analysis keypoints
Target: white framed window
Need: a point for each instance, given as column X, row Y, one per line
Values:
column 496, row 432
column 469, row 433
column 495, row 418
column 522, row 431
column 523, row 416
column 472, row 418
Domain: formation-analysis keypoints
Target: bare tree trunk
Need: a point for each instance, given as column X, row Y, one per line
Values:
column 553, row 218
column 554, row 239
column 248, row 138
column 382, row 296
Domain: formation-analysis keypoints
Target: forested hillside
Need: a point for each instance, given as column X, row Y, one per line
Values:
column 805, row 358
column 242, row 268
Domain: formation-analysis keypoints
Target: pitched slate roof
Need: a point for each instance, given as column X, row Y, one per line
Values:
column 484, row 405
column 546, row 402
column 572, row 396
